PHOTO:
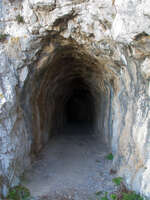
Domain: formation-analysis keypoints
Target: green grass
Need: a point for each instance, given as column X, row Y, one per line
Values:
column 105, row 197
column 131, row 196
column 122, row 193
column 110, row 156
column 18, row 193
column 3, row 37
column 113, row 196
column 117, row 180
column 19, row 19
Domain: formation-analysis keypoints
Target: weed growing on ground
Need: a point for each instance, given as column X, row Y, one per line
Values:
column 120, row 195
column 117, row 180
column 104, row 197
column 131, row 196
column 19, row 19
column 122, row 192
column 113, row 196
column 110, row 156
column 18, row 193
column 3, row 37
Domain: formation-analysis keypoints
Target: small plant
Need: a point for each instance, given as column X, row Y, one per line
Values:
column 18, row 193
column 117, row 180
column 110, row 156
column 98, row 193
column 131, row 196
column 3, row 37
column 105, row 197
column 19, row 19
column 113, row 196
column 122, row 192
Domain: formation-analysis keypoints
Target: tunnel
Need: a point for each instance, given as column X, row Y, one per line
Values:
column 66, row 87
column 67, row 109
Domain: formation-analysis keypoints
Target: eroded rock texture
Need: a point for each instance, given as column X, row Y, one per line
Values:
column 64, row 48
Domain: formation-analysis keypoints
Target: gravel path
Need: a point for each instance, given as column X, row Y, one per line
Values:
column 72, row 166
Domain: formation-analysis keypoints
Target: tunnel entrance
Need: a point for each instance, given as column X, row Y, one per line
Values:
column 67, row 86
column 67, row 112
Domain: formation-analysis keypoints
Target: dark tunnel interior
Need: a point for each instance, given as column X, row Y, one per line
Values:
column 79, row 107
column 68, row 90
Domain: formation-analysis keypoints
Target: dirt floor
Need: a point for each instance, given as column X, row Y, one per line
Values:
column 72, row 166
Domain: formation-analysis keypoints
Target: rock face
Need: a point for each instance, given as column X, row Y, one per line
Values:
column 103, row 45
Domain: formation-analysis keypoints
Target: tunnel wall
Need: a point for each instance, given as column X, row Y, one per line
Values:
column 114, row 35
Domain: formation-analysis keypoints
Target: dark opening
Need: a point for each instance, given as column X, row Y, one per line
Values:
column 79, row 106
column 79, row 109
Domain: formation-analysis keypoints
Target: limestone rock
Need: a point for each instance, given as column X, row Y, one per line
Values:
column 146, row 68
column 107, row 43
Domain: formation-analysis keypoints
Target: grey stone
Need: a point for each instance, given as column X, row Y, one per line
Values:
column 111, row 43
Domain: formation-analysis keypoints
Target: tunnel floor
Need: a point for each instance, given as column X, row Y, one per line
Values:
column 72, row 165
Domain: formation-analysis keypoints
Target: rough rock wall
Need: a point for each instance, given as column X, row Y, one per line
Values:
column 115, row 32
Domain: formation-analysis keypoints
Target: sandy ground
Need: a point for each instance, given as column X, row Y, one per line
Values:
column 72, row 166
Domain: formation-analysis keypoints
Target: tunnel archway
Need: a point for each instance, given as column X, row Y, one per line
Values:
column 67, row 85
column 68, row 110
